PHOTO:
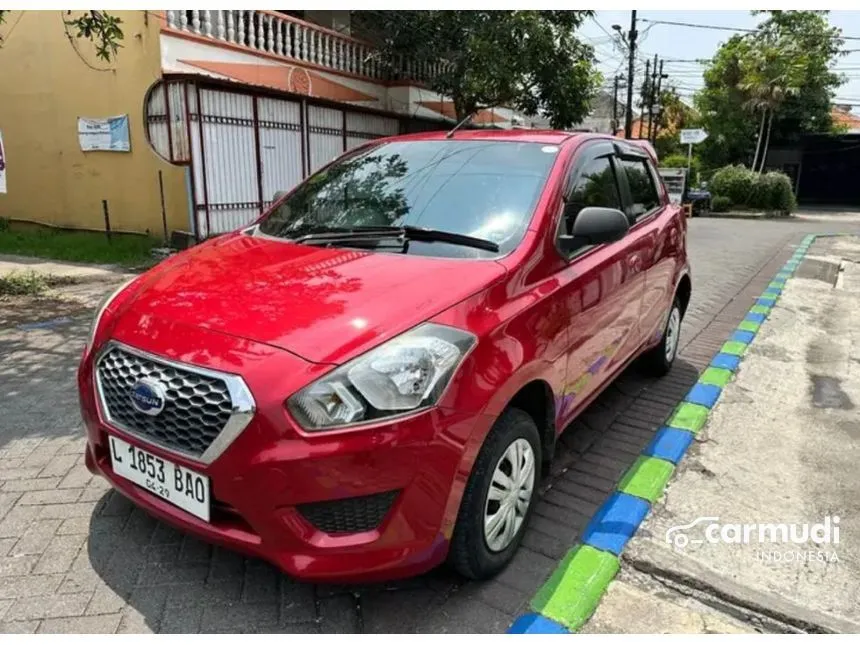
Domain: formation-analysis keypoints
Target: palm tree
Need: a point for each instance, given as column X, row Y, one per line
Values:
column 769, row 75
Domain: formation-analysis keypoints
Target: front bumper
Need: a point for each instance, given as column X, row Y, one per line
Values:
column 273, row 485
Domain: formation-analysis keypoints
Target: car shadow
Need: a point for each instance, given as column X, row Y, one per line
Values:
column 172, row 582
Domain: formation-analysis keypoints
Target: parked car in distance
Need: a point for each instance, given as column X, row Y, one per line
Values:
column 370, row 379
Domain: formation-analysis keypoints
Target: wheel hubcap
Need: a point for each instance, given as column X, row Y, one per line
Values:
column 510, row 495
column 672, row 330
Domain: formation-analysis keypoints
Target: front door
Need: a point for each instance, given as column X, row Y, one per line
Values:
column 602, row 288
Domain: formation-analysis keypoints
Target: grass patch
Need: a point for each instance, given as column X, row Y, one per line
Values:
column 26, row 283
column 79, row 246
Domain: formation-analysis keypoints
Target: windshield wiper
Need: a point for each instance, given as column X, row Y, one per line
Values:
column 377, row 233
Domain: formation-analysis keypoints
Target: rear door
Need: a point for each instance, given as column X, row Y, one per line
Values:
column 650, row 213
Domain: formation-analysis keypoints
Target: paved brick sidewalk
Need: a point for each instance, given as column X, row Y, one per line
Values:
column 75, row 557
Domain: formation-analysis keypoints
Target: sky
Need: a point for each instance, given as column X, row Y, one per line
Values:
column 685, row 43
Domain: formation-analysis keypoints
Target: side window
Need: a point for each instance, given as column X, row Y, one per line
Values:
column 643, row 193
column 596, row 186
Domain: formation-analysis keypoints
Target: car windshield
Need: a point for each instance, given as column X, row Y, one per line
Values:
column 484, row 189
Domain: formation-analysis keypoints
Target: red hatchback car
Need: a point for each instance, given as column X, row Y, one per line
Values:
column 370, row 378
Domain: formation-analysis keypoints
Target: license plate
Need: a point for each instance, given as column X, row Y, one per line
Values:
column 178, row 485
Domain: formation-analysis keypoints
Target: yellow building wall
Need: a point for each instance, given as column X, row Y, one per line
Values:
column 44, row 87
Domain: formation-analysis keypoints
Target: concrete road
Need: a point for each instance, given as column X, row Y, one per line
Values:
column 75, row 557
column 775, row 474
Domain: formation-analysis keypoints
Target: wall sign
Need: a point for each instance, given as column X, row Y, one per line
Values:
column 110, row 134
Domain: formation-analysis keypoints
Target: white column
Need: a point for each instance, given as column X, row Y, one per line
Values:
column 231, row 27
column 195, row 21
column 219, row 24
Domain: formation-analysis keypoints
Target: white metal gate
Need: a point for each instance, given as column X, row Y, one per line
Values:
column 244, row 148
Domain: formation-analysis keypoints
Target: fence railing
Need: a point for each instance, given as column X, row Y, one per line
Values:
column 282, row 35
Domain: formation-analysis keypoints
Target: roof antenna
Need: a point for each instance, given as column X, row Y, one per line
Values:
column 460, row 125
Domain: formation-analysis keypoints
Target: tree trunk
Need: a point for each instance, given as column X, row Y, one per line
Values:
column 766, row 141
column 758, row 141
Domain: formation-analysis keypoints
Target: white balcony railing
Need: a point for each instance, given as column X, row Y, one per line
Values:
column 281, row 35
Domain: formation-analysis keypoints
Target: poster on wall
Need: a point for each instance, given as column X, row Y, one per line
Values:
column 110, row 134
column 2, row 166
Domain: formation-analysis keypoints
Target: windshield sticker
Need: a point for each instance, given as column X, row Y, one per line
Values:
column 549, row 149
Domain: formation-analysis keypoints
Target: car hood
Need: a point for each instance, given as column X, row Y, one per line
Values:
column 325, row 305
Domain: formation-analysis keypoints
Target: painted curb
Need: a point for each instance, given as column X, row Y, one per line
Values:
column 571, row 595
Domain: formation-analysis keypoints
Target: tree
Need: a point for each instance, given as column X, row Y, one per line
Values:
column 100, row 28
column 782, row 74
column 772, row 71
column 527, row 60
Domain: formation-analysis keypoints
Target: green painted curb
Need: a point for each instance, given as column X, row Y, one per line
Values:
column 768, row 296
column 749, row 325
column 734, row 347
column 573, row 591
column 776, row 284
column 760, row 309
column 717, row 375
column 647, row 478
column 689, row 416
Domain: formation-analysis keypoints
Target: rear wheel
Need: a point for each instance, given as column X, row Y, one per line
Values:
column 499, row 497
column 658, row 360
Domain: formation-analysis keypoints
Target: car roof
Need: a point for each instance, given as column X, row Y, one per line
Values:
column 548, row 137
column 555, row 137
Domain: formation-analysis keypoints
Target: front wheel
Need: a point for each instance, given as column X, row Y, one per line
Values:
column 658, row 360
column 498, row 499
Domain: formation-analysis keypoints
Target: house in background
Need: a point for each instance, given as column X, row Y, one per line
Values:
column 823, row 167
column 844, row 118
column 225, row 108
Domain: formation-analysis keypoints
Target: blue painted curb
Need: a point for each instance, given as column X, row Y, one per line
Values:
column 726, row 361
column 670, row 444
column 756, row 318
column 743, row 336
column 615, row 522
column 536, row 624
column 704, row 394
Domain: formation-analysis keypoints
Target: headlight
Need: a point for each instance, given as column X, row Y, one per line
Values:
column 406, row 373
column 104, row 304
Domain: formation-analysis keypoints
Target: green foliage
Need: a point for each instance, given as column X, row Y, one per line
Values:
column 735, row 182
column 720, row 204
column 79, row 246
column 100, row 28
column 27, row 283
column 528, row 60
column 747, row 189
column 784, row 69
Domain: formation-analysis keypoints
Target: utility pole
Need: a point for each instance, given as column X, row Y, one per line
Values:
column 646, row 94
column 631, row 57
column 660, row 78
column 651, row 97
column 615, row 105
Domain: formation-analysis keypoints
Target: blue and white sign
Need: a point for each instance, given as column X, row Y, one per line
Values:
column 109, row 134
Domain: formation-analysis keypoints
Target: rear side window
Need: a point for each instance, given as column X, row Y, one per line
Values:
column 596, row 186
column 643, row 192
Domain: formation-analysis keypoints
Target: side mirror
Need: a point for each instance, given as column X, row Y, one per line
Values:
column 596, row 225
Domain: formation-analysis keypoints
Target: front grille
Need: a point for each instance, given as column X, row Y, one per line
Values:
column 351, row 515
column 197, row 407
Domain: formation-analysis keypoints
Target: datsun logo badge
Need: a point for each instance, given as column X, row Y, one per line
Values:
column 148, row 396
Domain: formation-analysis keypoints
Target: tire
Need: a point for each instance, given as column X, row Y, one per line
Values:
column 471, row 554
column 658, row 360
